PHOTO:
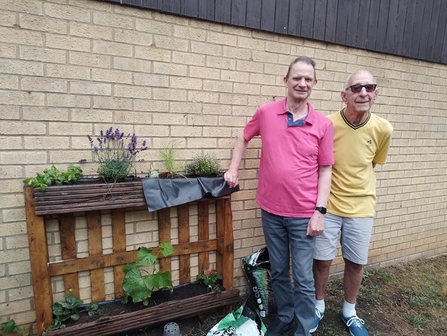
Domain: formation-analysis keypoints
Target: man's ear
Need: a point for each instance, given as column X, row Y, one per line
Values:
column 343, row 96
column 376, row 93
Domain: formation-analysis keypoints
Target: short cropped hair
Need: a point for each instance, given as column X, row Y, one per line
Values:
column 303, row 59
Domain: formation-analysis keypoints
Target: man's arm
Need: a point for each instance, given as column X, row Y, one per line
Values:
column 231, row 175
column 316, row 222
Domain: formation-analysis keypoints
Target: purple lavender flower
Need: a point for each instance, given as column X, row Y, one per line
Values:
column 115, row 153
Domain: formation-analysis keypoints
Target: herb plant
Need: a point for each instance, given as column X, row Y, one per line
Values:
column 172, row 166
column 115, row 153
column 211, row 279
column 204, row 165
column 53, row 176
column 11, row 327
column 140, row 287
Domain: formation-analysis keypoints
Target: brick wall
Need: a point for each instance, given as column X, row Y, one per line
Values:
column 69, row 68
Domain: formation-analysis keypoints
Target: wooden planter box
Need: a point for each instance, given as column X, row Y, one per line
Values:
column 152, row 316
column 90, row 200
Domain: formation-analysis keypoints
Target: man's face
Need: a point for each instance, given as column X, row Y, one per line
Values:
column 300, row 82
column 361, row 101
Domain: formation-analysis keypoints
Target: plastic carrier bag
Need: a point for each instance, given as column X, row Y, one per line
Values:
column 257, row 270
column 244, row 321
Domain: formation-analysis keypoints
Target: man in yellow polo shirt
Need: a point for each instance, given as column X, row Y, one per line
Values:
column 361, row 140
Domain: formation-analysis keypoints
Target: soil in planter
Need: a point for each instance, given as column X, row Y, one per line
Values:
column 116, row 307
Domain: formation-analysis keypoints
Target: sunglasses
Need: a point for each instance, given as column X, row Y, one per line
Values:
column 358, row 87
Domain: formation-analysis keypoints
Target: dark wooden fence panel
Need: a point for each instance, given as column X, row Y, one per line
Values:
column 410, row 28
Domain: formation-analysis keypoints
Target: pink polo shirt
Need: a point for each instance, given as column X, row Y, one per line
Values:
column 290, row 158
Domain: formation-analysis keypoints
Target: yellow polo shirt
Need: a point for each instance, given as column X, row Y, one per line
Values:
column 356, row 147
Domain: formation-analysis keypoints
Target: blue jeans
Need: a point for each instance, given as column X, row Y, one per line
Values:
column 285, row 235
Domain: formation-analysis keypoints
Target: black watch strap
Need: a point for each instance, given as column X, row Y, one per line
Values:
column 321, row 210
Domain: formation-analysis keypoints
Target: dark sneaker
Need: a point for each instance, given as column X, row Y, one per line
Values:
column 355, row 325
column 279, row 328
column 318, row 317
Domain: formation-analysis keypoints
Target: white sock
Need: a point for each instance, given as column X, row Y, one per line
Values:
column 348, row 309
column 320, row 305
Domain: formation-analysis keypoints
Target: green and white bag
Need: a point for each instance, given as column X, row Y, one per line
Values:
column 244, row 321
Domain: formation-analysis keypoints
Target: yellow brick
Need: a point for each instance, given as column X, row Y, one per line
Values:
column 113, row 20
column 10, row 112
column 113, row 76
column 169, row 94
column 251, row 44
column 65, row 100
column 10, row 172
column 189, row 33
column 44, row 113
column 112, row 103
column 149, row 105
column 131, row 64
column 112, row 48
column 31, row 6
column 67, row 42
column 203, row 72
column 21, row 67
column 206, row 48
column 43, row 23
column 71, row 13
column 8, row 51
column 42, row 54
column 132, row 91
column 44, row 84
column 90, row 31
column 152, row 26
column 7, row 18
column 87, row 59
column 236, row 53
column 90, row 88
column 17, row 306
column 88, row 115
column 21, row 98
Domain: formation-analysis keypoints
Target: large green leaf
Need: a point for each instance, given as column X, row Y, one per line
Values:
column 135, row 287
column 159, row 280
column 166, row 249
column 145, row 257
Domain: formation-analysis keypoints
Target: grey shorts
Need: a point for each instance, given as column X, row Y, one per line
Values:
column 354, row 238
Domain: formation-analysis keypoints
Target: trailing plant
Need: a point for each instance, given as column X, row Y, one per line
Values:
column 168, row 156
column 116, row 153
column 211, row 279
column 139, row 283
column 54, row 176
column 204, row 165
column 11, row 327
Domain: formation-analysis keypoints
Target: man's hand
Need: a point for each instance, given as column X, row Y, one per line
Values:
column 231, row 176
column 316, row 224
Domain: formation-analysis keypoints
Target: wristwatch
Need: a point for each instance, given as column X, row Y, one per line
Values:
column 321, row 210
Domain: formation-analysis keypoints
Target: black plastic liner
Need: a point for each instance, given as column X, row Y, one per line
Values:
column 165, row 193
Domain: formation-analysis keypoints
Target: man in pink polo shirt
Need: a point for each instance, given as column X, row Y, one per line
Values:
column 293, row 189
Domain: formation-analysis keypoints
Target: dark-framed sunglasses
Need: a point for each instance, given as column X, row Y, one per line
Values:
column 358, row 87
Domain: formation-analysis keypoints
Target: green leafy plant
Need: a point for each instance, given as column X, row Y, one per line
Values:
column 116, row 153
column 168, row 156
column 64, row 310
column 93, row 309
column 211, row 279
column 140, row 287
column 54, row 176
column 11, row 327
column 69, row 308
column 204, row 165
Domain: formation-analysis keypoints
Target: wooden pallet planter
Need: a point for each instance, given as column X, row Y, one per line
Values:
column 64, row 201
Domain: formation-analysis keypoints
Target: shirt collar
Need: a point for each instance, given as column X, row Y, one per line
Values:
column 310, row 115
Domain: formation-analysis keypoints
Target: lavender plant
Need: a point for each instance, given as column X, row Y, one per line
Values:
column 115, row 153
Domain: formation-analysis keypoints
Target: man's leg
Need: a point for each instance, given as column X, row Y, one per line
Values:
column 302, row 250
column 321, row 270
column 352, row 280
column 277, row 241
column 325, row 249
column 355, row 238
